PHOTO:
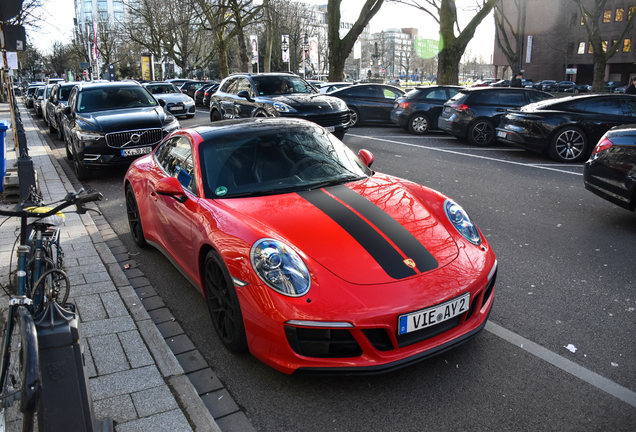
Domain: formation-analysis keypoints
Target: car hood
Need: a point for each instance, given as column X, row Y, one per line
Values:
column 126, row 119
column 173, row 97
column 308, row 102
column 367, row 232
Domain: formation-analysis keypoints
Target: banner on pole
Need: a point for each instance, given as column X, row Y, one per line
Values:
column 254, row 42
column 285, row 48
column 357, row 49
column 95, row 40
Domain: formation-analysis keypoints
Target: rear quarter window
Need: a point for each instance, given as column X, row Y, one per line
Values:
column 484, row 98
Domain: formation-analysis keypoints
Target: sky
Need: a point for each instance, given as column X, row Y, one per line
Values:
column 58, row 23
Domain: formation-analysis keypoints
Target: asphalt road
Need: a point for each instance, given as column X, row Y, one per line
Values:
column 558, row 353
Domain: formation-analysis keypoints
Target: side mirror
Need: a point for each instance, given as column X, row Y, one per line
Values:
column 170, row 186
column 161, row 102
column 245, row 95
column 366, row 157
column 67, row 110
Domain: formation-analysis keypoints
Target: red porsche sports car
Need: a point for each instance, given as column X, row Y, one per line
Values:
column 307, row 257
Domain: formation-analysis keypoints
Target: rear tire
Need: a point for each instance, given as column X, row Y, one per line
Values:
column 354, row 118
column 419, row 124
column 215, row 116
column 481, row 133
column 569, row 145
column 134, row 218
column 223, row 304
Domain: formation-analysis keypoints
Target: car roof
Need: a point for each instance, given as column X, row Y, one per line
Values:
column 225, row 127
column 107, row 84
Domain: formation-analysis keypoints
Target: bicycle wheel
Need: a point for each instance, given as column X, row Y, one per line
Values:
column 54, row 285
column 20, row 390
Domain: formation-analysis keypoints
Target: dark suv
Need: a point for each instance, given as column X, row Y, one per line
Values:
column 475, row 112
column 112, row 124
column 278, row 95
column 417, row 111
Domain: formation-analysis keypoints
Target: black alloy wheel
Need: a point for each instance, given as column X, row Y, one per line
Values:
column 223, row 304
column 419, row 124
column 215, row 116
column 81, row 171
column 481, row 133
column 568, row 145
column 134, row 218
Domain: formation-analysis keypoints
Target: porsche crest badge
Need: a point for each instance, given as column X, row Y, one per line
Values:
column 409, row 262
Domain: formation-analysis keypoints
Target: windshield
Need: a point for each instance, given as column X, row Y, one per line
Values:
column 109, row 98
column 162, row 88
column 64, row 92
column 266, row 162
column 274, row 85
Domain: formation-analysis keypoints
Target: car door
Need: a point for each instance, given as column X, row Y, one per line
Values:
column 244, row 108
column 385, row 102
column 433, row 101
column 508, row 100
column 607, row 112
column 173, row 218
column 225, row 98
column 50, row 106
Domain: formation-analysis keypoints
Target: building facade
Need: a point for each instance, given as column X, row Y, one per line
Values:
column 556, row 44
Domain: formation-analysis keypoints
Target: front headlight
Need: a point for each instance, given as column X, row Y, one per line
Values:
column 342, row 105
column 461, row 221
column 280, row 267
column 86, row 139
column 282, row 107
column 174, row 125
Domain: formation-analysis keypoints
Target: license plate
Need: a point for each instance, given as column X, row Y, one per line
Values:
column 175, row 109
column 434, row 315
column 501, row 134
column 136, row 151
column 331, row 128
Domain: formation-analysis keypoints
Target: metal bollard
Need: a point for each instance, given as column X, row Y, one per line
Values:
column 65, row 403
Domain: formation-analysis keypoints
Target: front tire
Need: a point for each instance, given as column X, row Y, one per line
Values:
column 134, row 218
column 419, row 124
column 568, row 145
column 215, row 116
column 481, row 133
column 223, row 304
column 354, row 117
column 81, row 171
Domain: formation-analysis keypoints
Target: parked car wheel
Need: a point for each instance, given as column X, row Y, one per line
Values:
column 134, row 218
column 481, row 133
column 419, row 124
column 51, row 128
column 81, row 171
column 568, row 145
column 354, row 117
column 223, row 304
column 215, row 116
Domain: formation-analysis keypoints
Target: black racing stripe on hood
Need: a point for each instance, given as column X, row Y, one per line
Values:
column 400, row 236
column 377, row 246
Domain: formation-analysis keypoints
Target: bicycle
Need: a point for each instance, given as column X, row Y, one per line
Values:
column 20, row 378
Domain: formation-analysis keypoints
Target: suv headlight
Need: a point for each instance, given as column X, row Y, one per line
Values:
column 173, row 125
column 86, row 139
column 461, row 221
column 283, row 107
column 342, row 105
column 280, row 267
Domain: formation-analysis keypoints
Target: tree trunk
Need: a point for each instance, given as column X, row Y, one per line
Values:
column 600, row 61
column 220, row 43
column 448, row 66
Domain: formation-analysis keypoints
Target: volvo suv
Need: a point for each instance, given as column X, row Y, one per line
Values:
column 112, row 123
column 278, row 95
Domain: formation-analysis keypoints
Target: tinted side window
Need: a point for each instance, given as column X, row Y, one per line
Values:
column 536, row 96
column 243, row 84
column 438, row 94
column 512, row 98
column 629, row 106
column 452, row 93
column 607, row 106
column 227, row 84
column 484, row 98
column 175, row 157
column 388, row 93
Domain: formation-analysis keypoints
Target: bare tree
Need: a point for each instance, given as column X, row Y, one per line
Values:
column 592, row 18
column 452, row 46
column 339, row 49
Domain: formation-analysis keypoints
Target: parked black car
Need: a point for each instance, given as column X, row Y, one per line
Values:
column 566, row 128
column 209, row 92
column 611, row 86
column 112, row 123
column 536, row 85
column 55, row 106
column 278, row 94
column 564, row 86
column 200, row 92
column 369, row 103
column 500, row 83
column 474, row 113
column 611, row 170
column 192, row 86
column 417, row 111
column 40, row 102
column 579, row 88
column 31, row 95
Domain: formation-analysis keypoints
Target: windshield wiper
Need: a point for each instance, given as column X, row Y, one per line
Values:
column 334, row 182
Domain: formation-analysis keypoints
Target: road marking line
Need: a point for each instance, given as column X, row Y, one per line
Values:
column 596, row 380
column 470, row 155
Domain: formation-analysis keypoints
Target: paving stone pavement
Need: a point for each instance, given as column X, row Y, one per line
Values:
column 144, row 372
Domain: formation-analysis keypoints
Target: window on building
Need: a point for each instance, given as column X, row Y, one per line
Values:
column 604, row 46
column 583, row 19
column 102, row 5
column 590, row 48
column 632, row 9
column 88, row 16
column 607, row 15
column 627, row 45
column 581, row 48
column 619, row 14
